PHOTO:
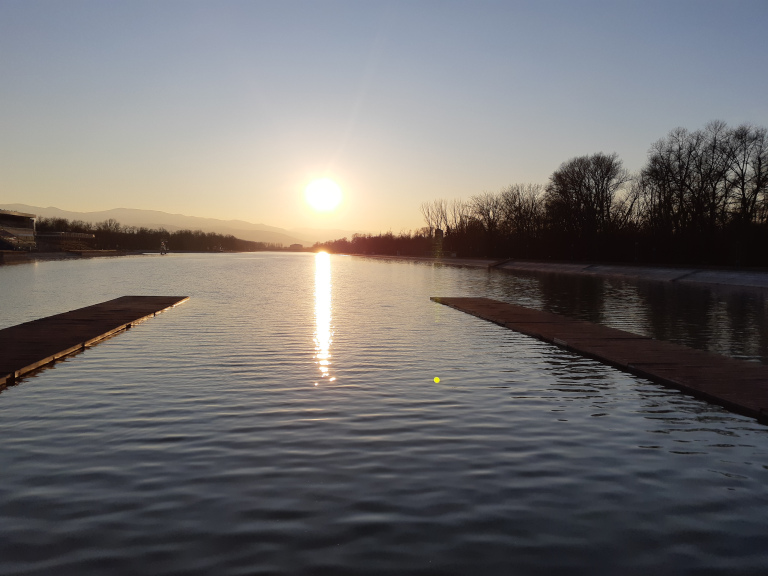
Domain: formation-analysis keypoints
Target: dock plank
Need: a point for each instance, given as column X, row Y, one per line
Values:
column 31, row 345
column 737, row 385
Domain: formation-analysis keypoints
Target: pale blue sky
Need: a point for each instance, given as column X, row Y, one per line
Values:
column 227, row 109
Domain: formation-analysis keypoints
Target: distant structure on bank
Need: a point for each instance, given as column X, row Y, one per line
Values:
column 437, row 244
column 57, row 241
column 18, row 232
column 297, row 247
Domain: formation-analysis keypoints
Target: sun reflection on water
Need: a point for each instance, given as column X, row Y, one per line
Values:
column 323, row 332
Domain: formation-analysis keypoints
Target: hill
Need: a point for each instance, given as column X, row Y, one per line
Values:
column 172, row 222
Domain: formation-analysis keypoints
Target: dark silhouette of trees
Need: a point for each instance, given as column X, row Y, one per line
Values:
column 748, row 175
column 435, row 214
column 111, row 235
column 701, row 198
column 581, row 197
column 420, row 243
column 524, row 218
column 703, row 193
column 488, row 211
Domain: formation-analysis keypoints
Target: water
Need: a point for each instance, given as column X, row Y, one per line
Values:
column 285, row 420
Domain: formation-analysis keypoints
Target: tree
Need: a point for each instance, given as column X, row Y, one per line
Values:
column 580, row 196
column 110, row 225
column 523, row 208
column 488, row 210
column 435, row 214
column 748, row 174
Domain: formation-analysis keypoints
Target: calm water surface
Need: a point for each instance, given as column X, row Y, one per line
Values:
column 285, row 420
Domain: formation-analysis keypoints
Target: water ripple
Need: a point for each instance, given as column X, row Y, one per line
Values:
column 198, row 442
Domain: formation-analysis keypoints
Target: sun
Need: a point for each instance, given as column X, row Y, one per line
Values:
column 323, row 194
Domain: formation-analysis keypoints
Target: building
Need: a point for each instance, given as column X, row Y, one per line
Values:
column 17, row 230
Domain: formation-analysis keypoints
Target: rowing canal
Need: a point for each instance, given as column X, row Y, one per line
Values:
column 286, row 420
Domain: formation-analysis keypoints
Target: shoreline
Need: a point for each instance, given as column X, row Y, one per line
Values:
column 10, row 257
column 749, row 278
column 457, row 262
column 673, row 274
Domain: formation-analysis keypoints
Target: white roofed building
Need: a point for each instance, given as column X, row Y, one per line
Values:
column 17, row 230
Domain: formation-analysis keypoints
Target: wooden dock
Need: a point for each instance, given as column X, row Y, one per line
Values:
column 737, row 385
column 27, row 347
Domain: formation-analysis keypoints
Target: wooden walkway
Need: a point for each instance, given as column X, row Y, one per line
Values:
column 28, row 346
column 739, row 386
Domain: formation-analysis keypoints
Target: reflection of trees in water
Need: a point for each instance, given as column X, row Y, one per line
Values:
column 677, row 313
column 727, row 321
column 576, row 296
column 747, row 314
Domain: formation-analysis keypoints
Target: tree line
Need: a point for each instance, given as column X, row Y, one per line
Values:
column 111, row 235
column 420, row 243
column 702, row 197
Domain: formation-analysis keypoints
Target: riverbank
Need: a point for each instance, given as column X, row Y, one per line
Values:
column 460, row 262
column 686, row 275
column 18, row 257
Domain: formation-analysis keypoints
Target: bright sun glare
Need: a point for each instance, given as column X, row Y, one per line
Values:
column 323, row 194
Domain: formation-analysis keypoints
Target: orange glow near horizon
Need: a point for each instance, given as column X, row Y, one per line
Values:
column 323, row 331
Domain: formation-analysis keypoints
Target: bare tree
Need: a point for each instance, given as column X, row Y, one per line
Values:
column 710, row 196
column 110, row 225
column 523, row 207
column 691, row 177
column 488, row 209
column 628, row 206
column 440, row 208
column 748, row 174
column 428, row 213
column 435, row 214
column 580, row 194
column 665, row 182
column 459, row 216
column 702, row 195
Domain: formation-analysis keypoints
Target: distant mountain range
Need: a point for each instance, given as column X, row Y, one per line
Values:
column 171, row 222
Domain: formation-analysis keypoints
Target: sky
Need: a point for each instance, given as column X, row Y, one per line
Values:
column 228, row 109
